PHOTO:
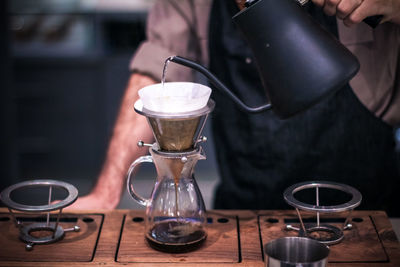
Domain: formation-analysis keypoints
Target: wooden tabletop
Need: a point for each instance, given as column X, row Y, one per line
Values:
column 235, row 237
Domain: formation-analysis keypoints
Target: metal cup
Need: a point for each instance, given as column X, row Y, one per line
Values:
column 296, row 251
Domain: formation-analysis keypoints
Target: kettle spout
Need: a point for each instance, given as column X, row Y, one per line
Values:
column 218, row 84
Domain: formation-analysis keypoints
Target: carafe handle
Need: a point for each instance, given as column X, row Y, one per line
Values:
column 141, row 200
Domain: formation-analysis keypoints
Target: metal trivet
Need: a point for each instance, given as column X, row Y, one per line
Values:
column 306, row 229
column 25, row 230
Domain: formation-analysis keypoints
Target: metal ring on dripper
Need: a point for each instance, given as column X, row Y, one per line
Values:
column 177, row 131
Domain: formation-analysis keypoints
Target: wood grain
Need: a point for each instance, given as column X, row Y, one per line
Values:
column 360, row 244
column 74, row 247
column 221, row 244
column 372, row 242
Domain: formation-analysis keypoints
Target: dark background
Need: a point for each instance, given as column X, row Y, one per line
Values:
column 64, row 67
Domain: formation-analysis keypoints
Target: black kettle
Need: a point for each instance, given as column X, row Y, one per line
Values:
column 298, row 61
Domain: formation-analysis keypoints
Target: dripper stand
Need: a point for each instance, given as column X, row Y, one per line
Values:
column 25, row 230
column 306, row 229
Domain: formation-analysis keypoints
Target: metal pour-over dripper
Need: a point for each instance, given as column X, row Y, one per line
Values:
column 175, row 130
column 26, row 230
column 334, row 234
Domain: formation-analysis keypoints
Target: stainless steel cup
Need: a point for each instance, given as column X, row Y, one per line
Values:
column 296, row 251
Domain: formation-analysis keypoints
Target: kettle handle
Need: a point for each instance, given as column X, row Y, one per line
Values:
column 372, row 21
column 141, row 200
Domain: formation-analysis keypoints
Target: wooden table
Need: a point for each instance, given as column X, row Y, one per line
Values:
column 116, row 238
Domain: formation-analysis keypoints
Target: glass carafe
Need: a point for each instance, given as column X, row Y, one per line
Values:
column 175, row 213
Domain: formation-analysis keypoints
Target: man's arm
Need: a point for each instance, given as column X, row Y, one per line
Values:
column 149, row 58
column 354, row 11
column 130, row 127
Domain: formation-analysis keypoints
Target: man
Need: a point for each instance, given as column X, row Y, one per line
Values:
column 346, row 138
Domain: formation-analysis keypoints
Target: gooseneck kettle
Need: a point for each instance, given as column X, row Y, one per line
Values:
column 298, row 61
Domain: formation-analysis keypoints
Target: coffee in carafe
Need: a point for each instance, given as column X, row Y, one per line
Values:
column 175, row 212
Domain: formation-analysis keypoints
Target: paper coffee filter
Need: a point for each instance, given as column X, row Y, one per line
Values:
column 175, row 97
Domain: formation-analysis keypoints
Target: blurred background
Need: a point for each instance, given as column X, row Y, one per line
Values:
column 64, row 67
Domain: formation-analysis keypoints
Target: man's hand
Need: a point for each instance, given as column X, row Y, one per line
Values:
column 92, row 202
column 355, row 11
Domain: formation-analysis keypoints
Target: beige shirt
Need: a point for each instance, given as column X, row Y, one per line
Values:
column 180, row 27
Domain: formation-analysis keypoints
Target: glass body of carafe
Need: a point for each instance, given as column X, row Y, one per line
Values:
column 175, row 213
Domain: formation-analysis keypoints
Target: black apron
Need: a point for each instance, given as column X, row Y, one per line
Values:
column 259, row 155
